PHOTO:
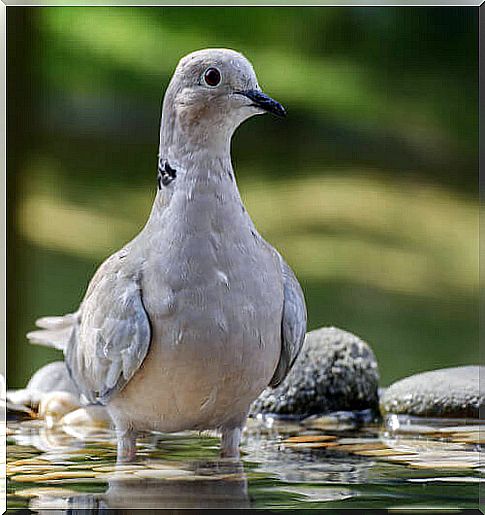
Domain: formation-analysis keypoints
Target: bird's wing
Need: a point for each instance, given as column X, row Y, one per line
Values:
column 293, row 324
column 113, row 335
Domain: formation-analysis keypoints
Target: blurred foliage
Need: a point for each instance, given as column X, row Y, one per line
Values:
column 369, row 188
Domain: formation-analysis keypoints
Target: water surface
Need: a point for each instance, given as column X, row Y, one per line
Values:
column 402, row 463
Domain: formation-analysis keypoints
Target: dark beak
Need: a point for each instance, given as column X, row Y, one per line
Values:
column 259, row 99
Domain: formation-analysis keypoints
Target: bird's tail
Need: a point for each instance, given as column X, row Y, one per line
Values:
column 53, row 331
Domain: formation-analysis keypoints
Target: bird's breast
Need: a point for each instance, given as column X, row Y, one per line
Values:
column 213, row 291
column 215, row 305
column 216, row 288
column 208, row 271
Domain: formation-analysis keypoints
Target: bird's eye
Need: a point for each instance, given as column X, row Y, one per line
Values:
column 212, row 77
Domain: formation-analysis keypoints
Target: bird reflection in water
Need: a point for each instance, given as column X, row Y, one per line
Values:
column 202, row 485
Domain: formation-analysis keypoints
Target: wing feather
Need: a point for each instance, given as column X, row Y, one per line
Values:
column 112, row 338
column 293, row 324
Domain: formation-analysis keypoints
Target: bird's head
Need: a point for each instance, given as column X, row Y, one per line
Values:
column 211, row 93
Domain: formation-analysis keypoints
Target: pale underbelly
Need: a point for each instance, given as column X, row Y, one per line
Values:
column 204, row 374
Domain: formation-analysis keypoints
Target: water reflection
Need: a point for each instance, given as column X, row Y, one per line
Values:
column 57, row 441
column 212, row 491
column 284, row 465
column 316, row 466
column 209, row 485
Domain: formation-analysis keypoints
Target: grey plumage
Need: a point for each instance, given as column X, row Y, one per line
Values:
column 293, row 324
column 115, row 331
column 54, row 331
column 191, row 320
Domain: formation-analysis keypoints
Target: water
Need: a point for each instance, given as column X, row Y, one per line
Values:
column 400, row 463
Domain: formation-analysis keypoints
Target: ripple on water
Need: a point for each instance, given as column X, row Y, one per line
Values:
column 284, row 465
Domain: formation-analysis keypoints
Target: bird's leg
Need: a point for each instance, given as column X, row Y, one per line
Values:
column 126, row 445
column 231, row 438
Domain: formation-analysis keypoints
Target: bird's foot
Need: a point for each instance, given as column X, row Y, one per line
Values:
column 231, row 438
column 126, row 446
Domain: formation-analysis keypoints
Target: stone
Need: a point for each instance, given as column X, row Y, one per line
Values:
column 442, row 464
column 340, row 420
column 373, row 445
column 117, row 468
column 309, row 438
column 377, row 453
column 458, row 479
column 309, row 445
column 335, row 371
column 449, row 393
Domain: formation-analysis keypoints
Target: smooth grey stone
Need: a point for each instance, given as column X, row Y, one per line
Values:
column 448, row 392
column 335, row 371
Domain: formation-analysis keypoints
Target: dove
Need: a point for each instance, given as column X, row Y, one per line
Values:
column 190, row 321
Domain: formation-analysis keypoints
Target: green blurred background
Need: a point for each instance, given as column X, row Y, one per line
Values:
column 369, row 188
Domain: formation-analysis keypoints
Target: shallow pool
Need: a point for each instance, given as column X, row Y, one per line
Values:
column 400, row 463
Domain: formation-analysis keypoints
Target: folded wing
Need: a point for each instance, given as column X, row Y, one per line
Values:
column 112, row 339
column 106, row 341
column 293, row 324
